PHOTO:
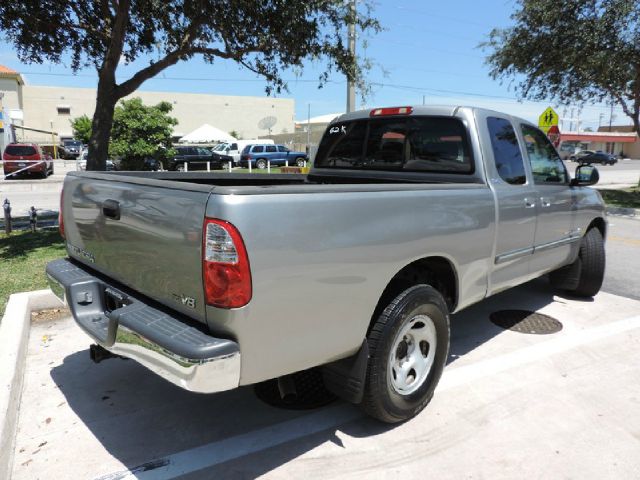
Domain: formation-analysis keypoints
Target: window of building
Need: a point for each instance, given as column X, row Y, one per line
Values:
column 506, row 151
column 64, row 110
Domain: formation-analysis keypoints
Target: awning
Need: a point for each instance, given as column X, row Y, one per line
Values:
column 598, row 137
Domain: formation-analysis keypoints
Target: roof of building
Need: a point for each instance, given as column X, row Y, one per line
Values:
column 6, row 72
column 615, row 137
column 616, row 128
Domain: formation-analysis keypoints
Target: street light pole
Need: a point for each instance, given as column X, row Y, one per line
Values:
column 351, row 88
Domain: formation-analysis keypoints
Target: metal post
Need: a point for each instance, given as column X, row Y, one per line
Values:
column 33, row 218
column 351, row 89
column 7, row 216
column 53, row 140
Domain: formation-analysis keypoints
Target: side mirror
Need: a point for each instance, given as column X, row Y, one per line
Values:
column 585, row 175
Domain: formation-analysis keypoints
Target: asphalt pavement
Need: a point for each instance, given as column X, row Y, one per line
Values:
column 622, row 275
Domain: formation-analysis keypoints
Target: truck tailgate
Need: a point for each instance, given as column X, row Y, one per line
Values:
column 144, row 234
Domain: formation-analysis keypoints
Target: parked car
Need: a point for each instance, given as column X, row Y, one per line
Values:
column 582, row 153
column 234, row 149
column 26, row 158
column 260, row 154
column 82, row 163
column 599, row 157
column 377, row 246
column 195, row 158
column 70, row 149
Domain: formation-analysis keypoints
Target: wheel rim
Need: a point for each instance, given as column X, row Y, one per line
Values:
column 412, row 354
column 261, row 164
column 300, row 163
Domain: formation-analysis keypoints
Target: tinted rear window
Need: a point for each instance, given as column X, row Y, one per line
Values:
column 20, row 150
column 417, row 144
column 258, row 149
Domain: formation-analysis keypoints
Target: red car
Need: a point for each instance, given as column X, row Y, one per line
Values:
column 27, row 159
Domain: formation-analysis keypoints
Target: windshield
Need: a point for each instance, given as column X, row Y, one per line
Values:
column 221, row 147
column 419, row 144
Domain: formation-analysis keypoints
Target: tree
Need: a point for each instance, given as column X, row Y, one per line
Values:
column 582, row 51
column 235, row 134
column 140, row 131
column 81, row 128
column 265, row 36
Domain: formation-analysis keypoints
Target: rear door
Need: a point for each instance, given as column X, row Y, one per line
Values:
column 145, row 234
column 516, row 197
column 271, row 154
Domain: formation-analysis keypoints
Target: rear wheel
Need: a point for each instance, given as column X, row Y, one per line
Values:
column 300, row 162
column 408, row 347
column 261, row 163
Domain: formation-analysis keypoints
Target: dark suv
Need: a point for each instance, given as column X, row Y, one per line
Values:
column 26, row 158
column 195, row 158
column 70, row 149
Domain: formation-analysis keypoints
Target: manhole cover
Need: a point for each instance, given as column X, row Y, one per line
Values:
column 525, row 321
column 310, row 392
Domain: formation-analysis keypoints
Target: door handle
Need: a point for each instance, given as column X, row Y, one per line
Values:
column 545, row 202
column 528, row 203
column 111, row 209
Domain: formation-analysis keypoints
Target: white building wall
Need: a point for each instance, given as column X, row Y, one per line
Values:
column 227, row 113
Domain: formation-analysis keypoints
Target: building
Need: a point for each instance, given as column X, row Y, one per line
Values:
column 52, row 108
column 621, row 141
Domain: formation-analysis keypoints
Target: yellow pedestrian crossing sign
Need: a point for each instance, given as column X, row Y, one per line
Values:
column 548, row 119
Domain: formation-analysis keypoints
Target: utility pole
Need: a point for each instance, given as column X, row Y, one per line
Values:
column 611, row 116
column 424, row 99
column 351, row 88
column 308, row 128
column 571, row 121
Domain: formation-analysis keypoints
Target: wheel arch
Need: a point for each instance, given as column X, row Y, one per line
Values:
column 600, row 224
column 437, row 271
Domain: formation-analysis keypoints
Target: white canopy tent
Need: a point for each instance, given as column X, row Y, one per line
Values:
column 207, row 134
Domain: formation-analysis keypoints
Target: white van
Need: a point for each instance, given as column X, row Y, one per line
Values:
column 234, row 149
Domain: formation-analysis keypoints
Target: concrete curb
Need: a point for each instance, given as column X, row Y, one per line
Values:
column 625, row 212
column 14, row 334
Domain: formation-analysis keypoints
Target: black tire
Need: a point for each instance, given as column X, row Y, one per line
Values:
column 300, row 162
column 583, row 278
column 261, row 164
column 179, row 167
column 381, row 398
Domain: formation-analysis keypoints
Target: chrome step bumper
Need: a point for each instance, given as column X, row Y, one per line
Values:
column 163, row 342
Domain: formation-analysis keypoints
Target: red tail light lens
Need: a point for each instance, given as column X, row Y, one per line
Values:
column 225, row 265
column 381, row 112
column 60, row 216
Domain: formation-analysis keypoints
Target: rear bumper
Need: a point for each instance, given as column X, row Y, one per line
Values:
column 163, row 342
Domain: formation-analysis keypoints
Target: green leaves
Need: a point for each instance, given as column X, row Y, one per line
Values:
column 140, row 131
column 81, row 128
column 573, row 51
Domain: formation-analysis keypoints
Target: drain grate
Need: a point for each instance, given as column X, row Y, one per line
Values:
column 310, row 389
column 525, row 321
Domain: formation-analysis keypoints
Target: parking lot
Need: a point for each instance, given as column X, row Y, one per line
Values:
column 510, row 404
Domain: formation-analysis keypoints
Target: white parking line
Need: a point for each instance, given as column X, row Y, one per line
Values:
column 214, row 453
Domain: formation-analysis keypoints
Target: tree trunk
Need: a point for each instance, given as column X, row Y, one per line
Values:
column 101, row 125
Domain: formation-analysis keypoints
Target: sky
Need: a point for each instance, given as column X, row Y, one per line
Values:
column 428, row 53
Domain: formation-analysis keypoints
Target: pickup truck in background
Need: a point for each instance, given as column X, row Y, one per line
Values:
column 408, row 215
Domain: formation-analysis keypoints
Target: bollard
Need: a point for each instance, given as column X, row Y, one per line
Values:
column 7, row 216
column 229, row 164
column 268, row 166
column 186, row 167
column 286, row 163
column 33, row 218
column 208, row 166
column 249, row 162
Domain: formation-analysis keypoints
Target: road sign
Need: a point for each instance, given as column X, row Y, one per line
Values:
column 554, row 135
column 548, row 119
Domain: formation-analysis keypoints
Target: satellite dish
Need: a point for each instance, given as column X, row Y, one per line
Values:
column 267, row 123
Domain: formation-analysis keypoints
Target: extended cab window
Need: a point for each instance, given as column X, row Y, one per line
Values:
column 546, row 166
column 506, row 151
column 418, row 144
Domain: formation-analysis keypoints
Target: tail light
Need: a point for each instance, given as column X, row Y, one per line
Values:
column 225, row 265
column 381, row 112
column 60, row 216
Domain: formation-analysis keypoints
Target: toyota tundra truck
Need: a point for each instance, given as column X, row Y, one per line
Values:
column 409, row 214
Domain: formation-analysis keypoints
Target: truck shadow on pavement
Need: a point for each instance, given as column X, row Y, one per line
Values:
column 145, row 422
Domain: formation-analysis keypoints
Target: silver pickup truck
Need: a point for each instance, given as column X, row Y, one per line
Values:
column 409, row 214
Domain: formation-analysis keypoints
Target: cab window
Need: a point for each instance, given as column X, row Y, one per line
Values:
column 546, row 165
column 506, row 151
